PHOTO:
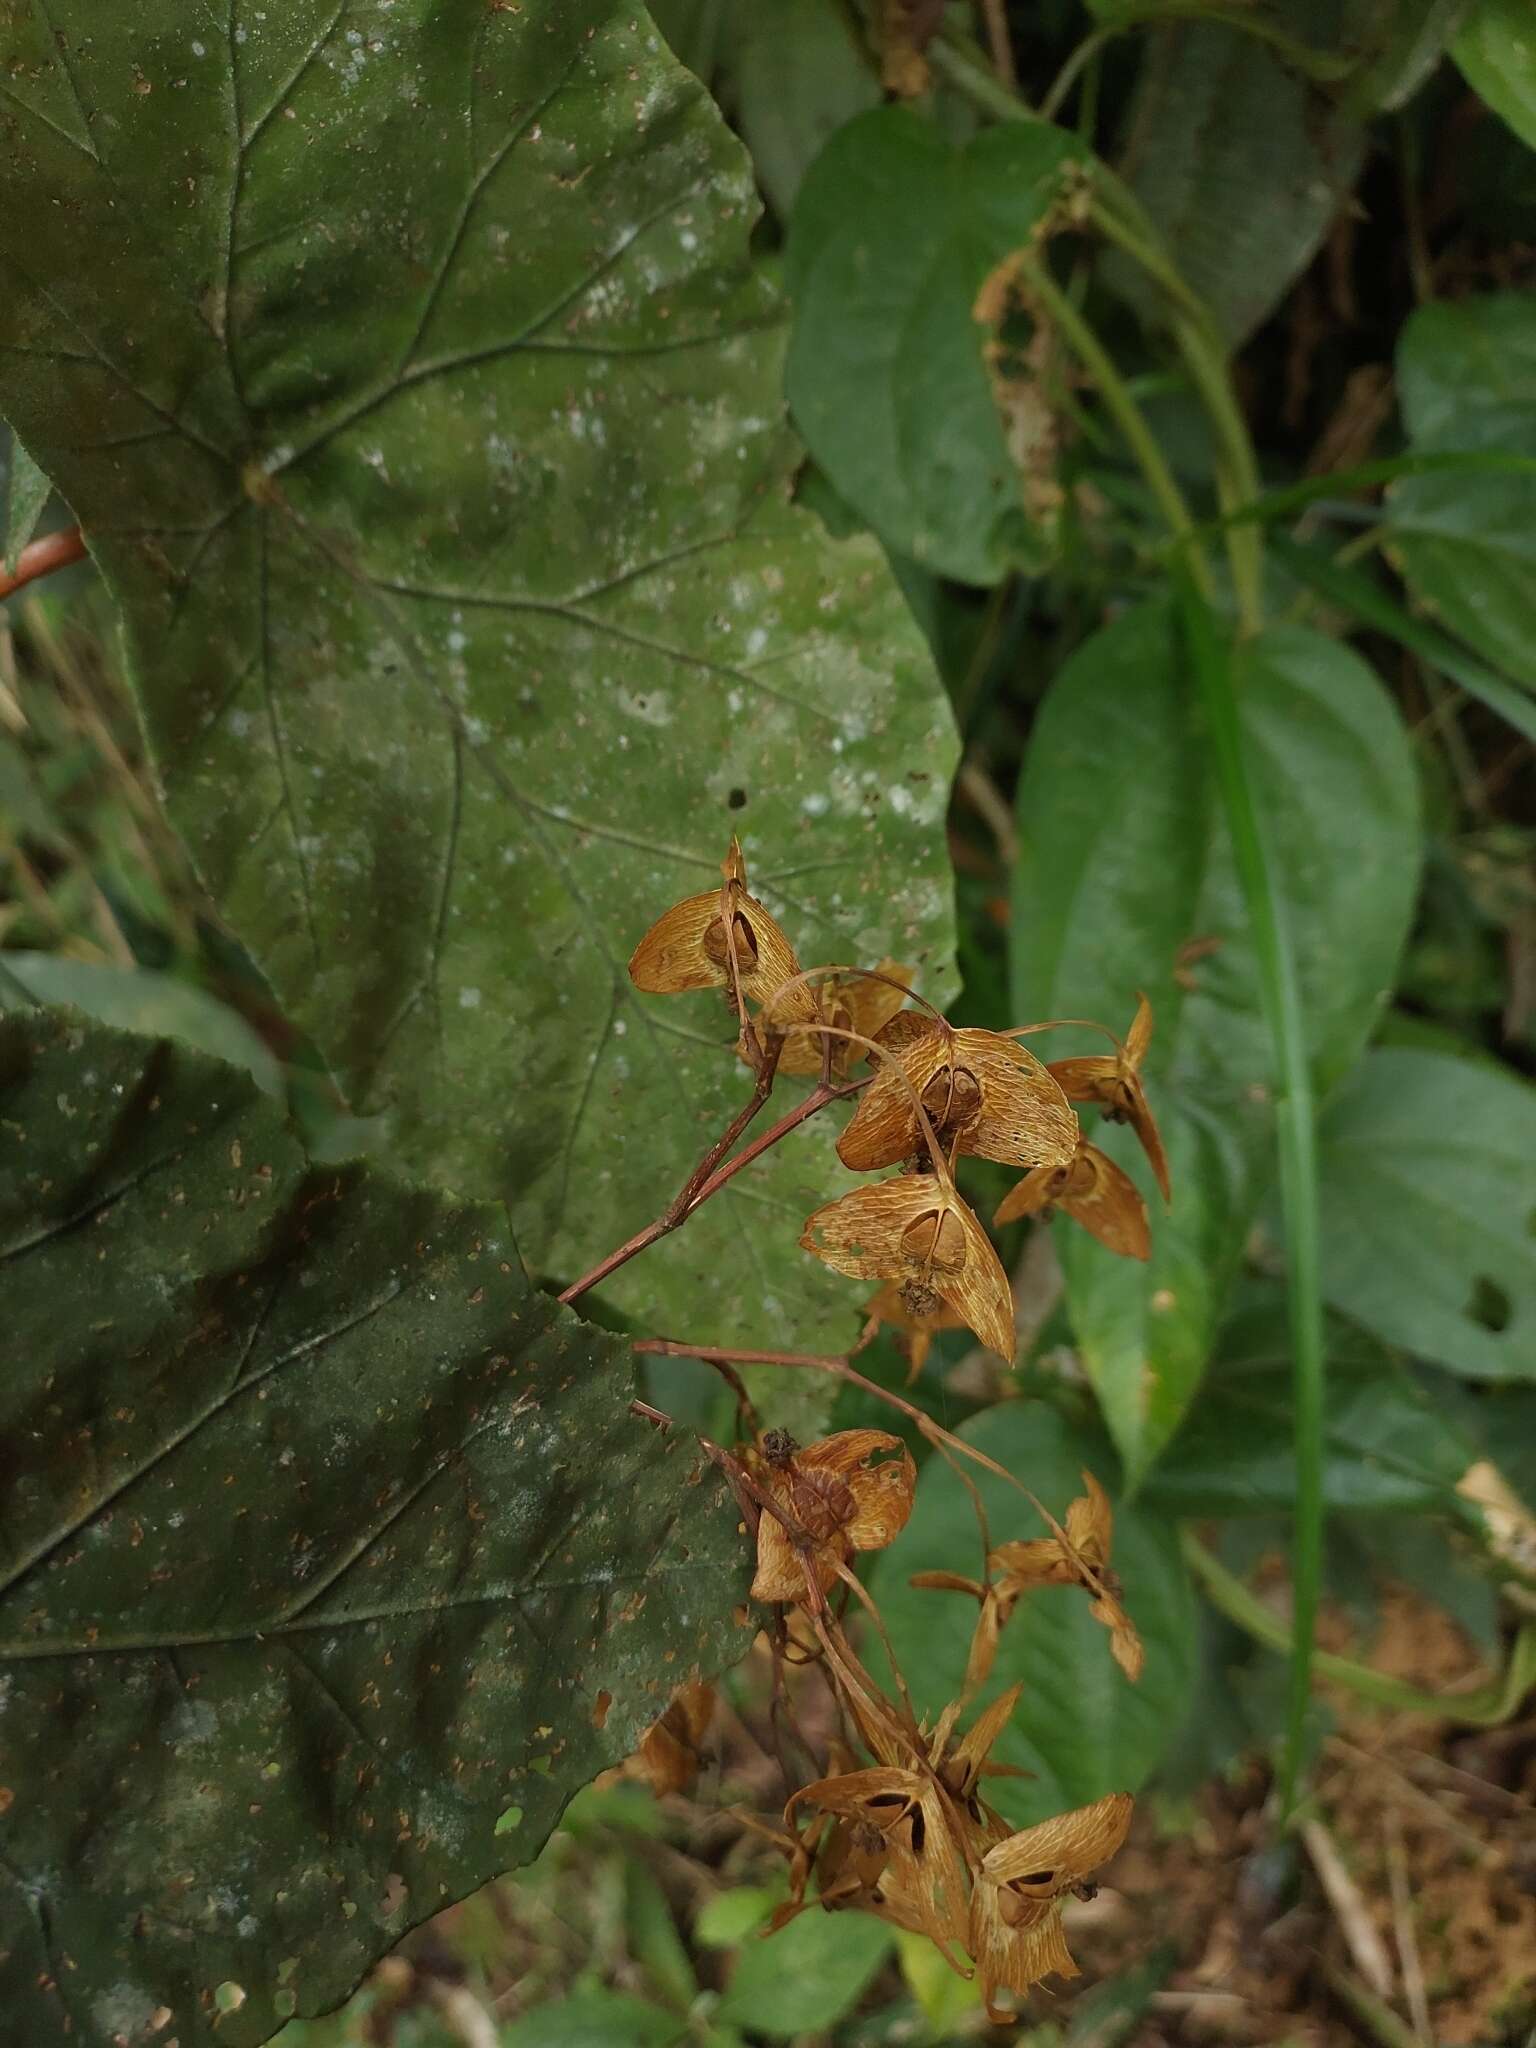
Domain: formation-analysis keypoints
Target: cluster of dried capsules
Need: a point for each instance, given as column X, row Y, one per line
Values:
column 935, row 1093
column 894, row 1824
column 894, row 1821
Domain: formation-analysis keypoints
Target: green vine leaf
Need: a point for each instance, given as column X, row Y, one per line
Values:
column 1241, row 162
column 332, row 1562
column 950, row 455
column 1429, row 1232
column 27, row 492
column 1497, row 57
column 1125, row 881
column 404, row 364
column 1467, row 374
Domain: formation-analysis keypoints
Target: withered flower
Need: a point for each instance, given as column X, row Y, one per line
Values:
column 916, row 1231
column 1083, row 1560
column 895, row 1833
column 1094, row 1192
column 691, row 945
column 1015, row 1569
column 670, row 1754
column 1022, row 1884
column 918, row 1328
column 981, row 1091
column 851, row 1002
column 1114, row 1083
column 839, row 1495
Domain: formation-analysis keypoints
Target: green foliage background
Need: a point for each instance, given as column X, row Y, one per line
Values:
column 495, row 508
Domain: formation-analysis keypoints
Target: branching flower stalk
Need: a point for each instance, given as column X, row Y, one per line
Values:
column 887, row 1816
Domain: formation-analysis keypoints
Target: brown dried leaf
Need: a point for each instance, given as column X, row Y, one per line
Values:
column 918, row 1321
column 670, row 1753
column 961, row 1772
column 1084, row 1559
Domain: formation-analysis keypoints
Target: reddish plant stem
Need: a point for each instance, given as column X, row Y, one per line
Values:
column 936, row 1433
column 42, row 557
column 747, row 1417
column 690, row 1193
column 709, row 1176
column 818, row 1098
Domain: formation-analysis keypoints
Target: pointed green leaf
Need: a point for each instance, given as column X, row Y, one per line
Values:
column 1467, row 378
column 1125, row 864
column 807, row 1976
column 1496, row 54
column 154, row 1005
column 327, row 1545
column 1429, row 1212
column 1388, row 1445
column 27, row 491
column 596, row 2019
column 405, row 366
column 794, row 76
column 893, row 236
column 1241, row 163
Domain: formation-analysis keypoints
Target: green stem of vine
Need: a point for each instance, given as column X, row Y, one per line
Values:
column 1486, row 1707
column 1115, row 214
column 1058, row 309
column 1295, row 1130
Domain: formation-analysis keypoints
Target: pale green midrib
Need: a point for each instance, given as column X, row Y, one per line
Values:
column 253, row 1633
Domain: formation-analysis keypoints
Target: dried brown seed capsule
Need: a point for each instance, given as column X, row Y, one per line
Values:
column 1114, row 1083
column 1094, row 1192
column 983, row 1092
column 690, row 947
column 1020, row 1886
column 852, row 1491
column 916, row 1231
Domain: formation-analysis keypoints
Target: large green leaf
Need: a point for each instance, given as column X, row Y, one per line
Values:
column 1496, row 53
column 403, row 362
column 332, row 1560
column 1388, row 1445
column 1466, row 375
column 893, row 235
column 1080, row 1725
column 1394, row 46
column 807, row 1976
column 790, row 77
column 1124, row 860
column 1429, row 1209
column 1241, row 163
